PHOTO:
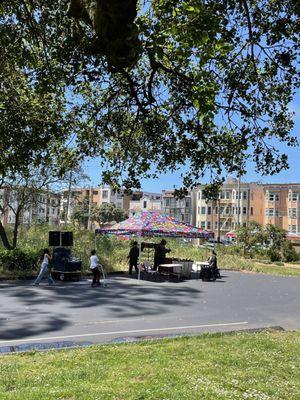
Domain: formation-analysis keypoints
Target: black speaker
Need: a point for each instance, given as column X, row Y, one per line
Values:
column 54, row 238
column 67, row 238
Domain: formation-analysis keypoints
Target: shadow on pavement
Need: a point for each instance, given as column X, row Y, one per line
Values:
column 43, row 309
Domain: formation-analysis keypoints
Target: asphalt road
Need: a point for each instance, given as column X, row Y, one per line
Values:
column 129, row 308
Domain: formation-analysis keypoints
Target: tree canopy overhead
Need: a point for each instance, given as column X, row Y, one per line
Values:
column 200, row 82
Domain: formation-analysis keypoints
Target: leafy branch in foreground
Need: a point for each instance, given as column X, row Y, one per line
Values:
column 207, row 84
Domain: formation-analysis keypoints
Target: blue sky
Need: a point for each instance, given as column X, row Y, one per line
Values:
column 171, row 180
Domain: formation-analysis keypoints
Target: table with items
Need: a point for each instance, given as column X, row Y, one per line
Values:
column 170, row 270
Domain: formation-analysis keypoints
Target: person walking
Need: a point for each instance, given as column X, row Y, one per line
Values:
column 94, row 266
column 133, row 257
column 45, row 269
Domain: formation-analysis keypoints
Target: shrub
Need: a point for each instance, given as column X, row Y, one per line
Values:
column 274, row 254
column 289, row 252
column 18, row 260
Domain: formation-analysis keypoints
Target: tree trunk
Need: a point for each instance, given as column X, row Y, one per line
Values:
column 16, row 229
column 4, row 237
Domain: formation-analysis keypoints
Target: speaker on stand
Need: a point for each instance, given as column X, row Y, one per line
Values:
column 66, row 239
column 54, row 238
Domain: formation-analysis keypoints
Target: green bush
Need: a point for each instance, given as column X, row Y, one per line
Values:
column 18, row 260
column 274, row 254
column 289, row 252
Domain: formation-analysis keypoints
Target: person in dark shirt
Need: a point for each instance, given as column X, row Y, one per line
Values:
column 133, row 257
column 160, row 253
column 213, row 264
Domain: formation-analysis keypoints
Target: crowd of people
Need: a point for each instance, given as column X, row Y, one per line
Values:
column 160, row 256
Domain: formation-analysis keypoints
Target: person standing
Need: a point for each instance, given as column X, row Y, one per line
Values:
column 133, row 257
column 160, row 253
column 45, row 269
column 94, row 266
column 213, row 265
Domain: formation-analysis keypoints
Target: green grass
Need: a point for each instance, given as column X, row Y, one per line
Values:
column 113, row 253
column 260, row 366
column 235, row 262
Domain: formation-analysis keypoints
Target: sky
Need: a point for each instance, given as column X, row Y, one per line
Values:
column 173, row 180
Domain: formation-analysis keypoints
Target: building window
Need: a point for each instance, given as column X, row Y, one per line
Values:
column 245, row 195
column 292, row 228
column 290, row 196
column 208, row 225
column 251, row 210
column 244, row 210
column 216, row 225
column 209, row 210
column 216, row 210
column 228, row 195
column 295, row 196
column 167, row 202
column 202, row 224
column 199, row 195
column 203, row 210
column 105, row 194
column 276, row 213
column 95, row 192
column 293, row 212
column 145, row 204
column 271, row 212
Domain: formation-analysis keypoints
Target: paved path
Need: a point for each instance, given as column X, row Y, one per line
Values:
column 77, row 312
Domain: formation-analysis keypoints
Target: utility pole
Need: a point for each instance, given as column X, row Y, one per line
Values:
column 239, row 201
column 67, row 213
column 90, row 208
column 219, row 219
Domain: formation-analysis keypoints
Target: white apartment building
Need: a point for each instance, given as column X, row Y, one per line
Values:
column 144, row 201
column 180, row 209
column 44, row 207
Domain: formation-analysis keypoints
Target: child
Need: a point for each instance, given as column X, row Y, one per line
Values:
column 45, row 269
column 94, row 265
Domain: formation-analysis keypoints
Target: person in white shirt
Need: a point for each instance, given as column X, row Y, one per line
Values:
column 45, row 269
column 94, row 266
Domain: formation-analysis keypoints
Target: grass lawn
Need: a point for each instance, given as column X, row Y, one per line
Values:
column 242, row 264
column 245, row 366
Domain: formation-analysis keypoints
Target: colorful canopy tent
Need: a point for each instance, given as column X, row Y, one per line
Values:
column 153, row 223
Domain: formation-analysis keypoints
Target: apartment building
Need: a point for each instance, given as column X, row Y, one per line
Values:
column 144, row 201
column 40, row 207
column 282, row 206
column 180, row 209
column 87, row 197
column 238, row 203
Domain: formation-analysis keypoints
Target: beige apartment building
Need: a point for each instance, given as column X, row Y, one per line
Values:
column 282, row 206
column 238, row 204
column 91, row 197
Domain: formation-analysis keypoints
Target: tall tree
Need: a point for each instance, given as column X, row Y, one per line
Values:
column 207, row 83
column 108, row 213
